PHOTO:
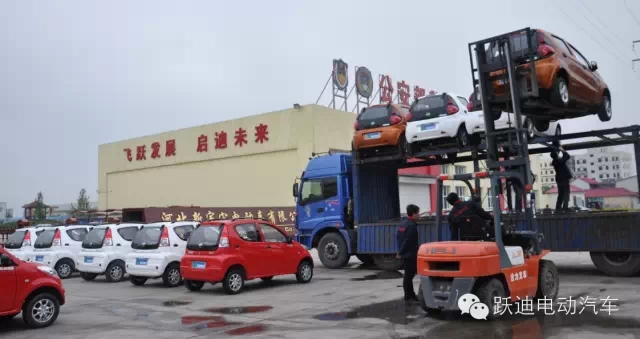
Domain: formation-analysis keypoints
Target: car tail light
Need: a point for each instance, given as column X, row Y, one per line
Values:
column 57, row 241
column 544, row 49
column 164, row 237
column 470, row 103
column 27, row 240
column 108, row 238
column 451, row 108
column 355, row 125
column 224, row 239
column 409, row 116
column 395, row 119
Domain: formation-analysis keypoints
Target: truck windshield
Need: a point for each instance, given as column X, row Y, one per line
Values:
column 147, row 238
column 205, row 238
column 94, row 238
column 429, row 107
column 45, row 239
column 15, row 240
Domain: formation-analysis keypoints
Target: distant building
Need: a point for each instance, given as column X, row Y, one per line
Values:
column 630, row 183
column 9, row 213
column 67, row 209
column 3, row 210
column 605, row 164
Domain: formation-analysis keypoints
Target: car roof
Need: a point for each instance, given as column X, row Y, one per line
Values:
column 234, row 221
column 118, row 225
column 172, row 223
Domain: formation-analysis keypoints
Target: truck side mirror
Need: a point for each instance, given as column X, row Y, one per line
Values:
column 295, row 190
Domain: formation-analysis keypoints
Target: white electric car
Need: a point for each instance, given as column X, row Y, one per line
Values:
column 104, row 251
column 436, row 118
column 20, row 243
column 475, row 120
column 157, row 250
column 58, row 248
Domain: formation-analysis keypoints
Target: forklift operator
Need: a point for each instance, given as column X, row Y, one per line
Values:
column 467, row 219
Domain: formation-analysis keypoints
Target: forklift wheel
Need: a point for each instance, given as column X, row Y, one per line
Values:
column 548, row 281
column 423, row 304
column 487, row 293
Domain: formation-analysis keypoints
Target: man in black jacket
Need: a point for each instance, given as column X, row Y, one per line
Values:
column 408, row 244
column 563, row 177
column 463, row 211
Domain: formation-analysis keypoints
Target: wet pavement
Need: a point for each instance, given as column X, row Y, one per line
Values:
column 350, row 303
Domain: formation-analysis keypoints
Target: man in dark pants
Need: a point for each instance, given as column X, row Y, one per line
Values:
column 563, row 177
column 408, row 244
column 462, row 210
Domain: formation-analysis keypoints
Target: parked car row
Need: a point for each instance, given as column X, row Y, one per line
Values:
column 226, row 251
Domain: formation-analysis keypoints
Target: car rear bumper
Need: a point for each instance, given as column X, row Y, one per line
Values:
column 442, row 129
column 212, row 272
column 443, row 293
column 98, row 263
column 388, row 137
column 155, row 264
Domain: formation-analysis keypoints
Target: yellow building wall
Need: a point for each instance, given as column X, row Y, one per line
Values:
column 257, row 174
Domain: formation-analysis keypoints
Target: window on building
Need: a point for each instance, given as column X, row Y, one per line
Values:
column 593, row 171
column 445, row 191
column 444, row 169
column 600, row 176
column 462, row 192
column 459, row 169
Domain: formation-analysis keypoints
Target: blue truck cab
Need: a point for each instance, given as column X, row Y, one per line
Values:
column 324, row 208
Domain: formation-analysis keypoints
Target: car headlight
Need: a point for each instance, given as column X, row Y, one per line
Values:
column 49, row 270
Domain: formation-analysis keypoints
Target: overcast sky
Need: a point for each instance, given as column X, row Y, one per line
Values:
column 76, row 74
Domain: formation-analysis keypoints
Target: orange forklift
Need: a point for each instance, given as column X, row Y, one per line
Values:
column 502, row 263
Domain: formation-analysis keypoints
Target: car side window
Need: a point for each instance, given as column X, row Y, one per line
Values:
column 248, row 232
column 128, row 233
column 77, row 234
column 271, row 234
column 463, row 101
column 581, row 59
column 38, row 232
column 183, row 232
column 560, row 44
column 329, row 187
column 452, row 102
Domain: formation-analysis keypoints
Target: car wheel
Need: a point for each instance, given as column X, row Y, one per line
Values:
column 605, row 113
column 531, row 132
column 233, row 281
column 462, row 137
column 115, row 272
column 64, row 268
column 41, row 310
column 541, row 125
column 367, row 259
column 88, row 276
column 305, row 272
column 423, row 304
column 171, row 276
column 138, row 281
column 560, row 93
column 194, row 285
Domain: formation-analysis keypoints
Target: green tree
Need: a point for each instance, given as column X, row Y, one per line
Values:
column 40, row 212
column 82, row 204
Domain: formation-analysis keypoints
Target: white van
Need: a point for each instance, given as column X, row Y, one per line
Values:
column 20, row 242
column 104, row 250
column 58, row 248
column 157, row 251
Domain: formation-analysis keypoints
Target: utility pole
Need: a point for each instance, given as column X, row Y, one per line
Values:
column 633, row 47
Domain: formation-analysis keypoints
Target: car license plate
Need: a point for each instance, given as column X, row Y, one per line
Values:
column 428, row 127
column 370, row 136
column 142, row 261
column 199, row 265
column 88, row 260
column 39, row 257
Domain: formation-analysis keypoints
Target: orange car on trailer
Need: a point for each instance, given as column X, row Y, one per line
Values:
column 379, row 129
column 509, row 267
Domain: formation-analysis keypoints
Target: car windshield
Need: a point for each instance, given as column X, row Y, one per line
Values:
column 45, row 239
column 15, row 240
column 373, row 113
column 204, row 238
column 428, row 108
column 94, row 238
column 147, row 238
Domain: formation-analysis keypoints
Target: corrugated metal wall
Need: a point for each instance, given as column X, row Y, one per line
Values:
column 376, row 193
column 567, row 233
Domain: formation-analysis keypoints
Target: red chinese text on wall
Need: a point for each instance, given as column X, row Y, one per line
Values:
column 240, row 138
column 404, row 91
column 386, row 89
column 155, row 151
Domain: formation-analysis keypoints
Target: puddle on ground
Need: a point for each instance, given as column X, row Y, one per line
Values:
column 383, row 275
column 202, row 322
column 238, row 310
column 394, row 311
column 251, row 329
column 172, row 303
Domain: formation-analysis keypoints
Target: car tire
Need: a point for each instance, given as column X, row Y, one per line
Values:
column 88, row 276
column 64, row 267
column 333, row 241
column 305, row 272
column 367, row 259
column 617, row 264
column 266, row 279
column 462, row 137
column 138, row 281
column 115, row 272
column 548, row 281
column 541, row 125
column 560, row 95
column 233, row 281
column 487, row 292
column 388, row 262
column 193, row 285
column 604, row 111
column 41, row 310
column 171, row 276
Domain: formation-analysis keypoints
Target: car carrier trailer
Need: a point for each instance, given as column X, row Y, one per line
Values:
column 353, row 207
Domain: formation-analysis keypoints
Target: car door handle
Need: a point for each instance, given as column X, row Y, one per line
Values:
column 66, row 244
column 268, row 246
column 237, row 246
column 175, row 245
column 320, row 209
column 118, row 245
